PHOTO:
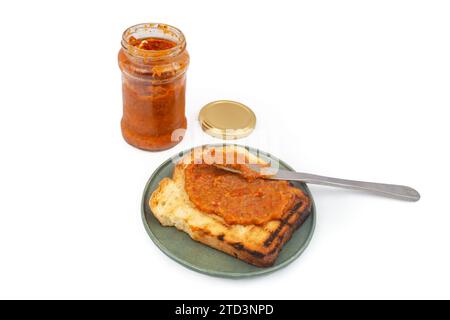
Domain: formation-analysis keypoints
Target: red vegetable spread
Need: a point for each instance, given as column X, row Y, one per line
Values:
column 151, row 43
column 238, row 199
column 245, row 171
column 153, row 88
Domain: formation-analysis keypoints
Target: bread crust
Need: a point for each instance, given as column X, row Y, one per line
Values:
column 258, row 245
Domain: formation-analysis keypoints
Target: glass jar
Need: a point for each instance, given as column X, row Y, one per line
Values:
column 153, row 60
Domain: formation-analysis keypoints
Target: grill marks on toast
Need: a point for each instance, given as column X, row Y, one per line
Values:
column 301, row 209
column 284, row 222
column 240, row 247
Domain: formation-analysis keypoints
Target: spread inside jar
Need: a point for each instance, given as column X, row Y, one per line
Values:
column 151, row 43
column 153, row 60
column 238, row 199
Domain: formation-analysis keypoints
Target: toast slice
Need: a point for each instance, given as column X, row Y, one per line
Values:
column 258, row 245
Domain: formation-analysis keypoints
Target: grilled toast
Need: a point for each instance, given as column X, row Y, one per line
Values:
column 258, row 245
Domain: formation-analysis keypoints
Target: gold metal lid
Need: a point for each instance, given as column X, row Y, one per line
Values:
column 227, row 119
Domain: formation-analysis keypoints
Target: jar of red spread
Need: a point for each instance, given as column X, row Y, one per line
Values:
column 153, row 60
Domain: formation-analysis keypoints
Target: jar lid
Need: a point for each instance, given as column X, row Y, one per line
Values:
column 227, row 119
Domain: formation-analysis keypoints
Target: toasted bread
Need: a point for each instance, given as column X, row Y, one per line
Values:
column 259, row 245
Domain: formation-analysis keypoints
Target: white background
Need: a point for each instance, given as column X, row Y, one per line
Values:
column 353, row 89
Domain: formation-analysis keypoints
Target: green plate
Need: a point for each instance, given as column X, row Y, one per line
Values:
column 201, row 258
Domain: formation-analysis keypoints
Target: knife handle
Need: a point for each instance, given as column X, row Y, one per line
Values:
column 389, row 190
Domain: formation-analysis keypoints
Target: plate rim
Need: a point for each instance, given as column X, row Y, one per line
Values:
column 221, row 274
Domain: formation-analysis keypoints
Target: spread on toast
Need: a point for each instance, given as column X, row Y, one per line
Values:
column 238, row 199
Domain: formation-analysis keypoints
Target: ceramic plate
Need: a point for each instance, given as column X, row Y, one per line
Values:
column 201, row 258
